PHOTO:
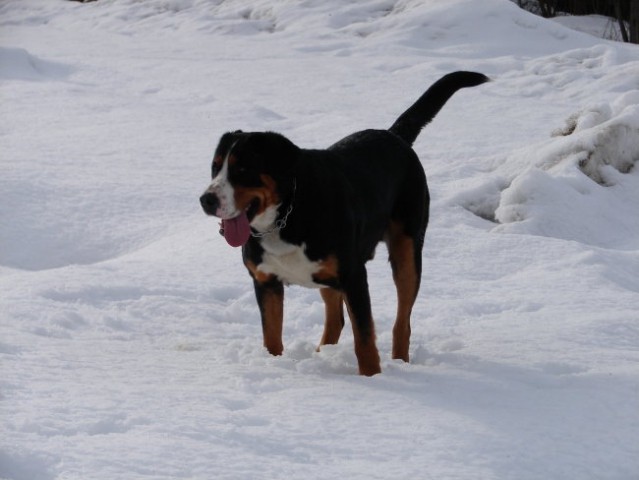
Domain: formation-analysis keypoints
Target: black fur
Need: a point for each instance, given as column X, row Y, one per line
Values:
column 342, row 201
column 411, row 122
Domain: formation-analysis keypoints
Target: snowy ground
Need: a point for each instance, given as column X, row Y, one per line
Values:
column 130, row 339
column 597, row 25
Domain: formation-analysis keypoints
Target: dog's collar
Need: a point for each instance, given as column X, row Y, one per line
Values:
column 281, row 223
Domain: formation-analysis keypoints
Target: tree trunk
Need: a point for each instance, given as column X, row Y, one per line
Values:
column 547, row 8
column 622, row 24
column 633, row 24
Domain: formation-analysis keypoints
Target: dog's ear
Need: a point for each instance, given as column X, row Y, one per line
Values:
column 226, row 142
column 224, row 147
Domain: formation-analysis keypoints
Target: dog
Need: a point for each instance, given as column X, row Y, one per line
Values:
column 314, row 218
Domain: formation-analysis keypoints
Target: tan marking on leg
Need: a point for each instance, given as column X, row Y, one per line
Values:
column 328, row 270
column 271, row 304
column 258, row 275
column 334, row 322
column 273, row 311
column 365, row 349
column 402, row 256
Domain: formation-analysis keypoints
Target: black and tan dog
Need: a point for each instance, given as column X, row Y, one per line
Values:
column 314, row 218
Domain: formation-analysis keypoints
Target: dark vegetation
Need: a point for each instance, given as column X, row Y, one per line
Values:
column 625, row 12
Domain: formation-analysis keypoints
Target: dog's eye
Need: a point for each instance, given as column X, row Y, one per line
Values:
column 242, row 170
column 245, row 175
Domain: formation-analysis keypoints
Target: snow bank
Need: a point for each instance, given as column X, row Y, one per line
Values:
column 580, row 185
column 18, row 64
column 595, row 25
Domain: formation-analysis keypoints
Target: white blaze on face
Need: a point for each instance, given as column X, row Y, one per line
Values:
column 223, row 190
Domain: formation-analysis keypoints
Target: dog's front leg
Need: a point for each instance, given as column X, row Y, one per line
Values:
column 358, row 304
column 270, row 299
column 334, row 322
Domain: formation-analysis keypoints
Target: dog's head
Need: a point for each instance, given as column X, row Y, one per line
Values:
column 252, row 173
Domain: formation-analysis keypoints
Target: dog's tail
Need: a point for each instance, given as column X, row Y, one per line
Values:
column 411, row 122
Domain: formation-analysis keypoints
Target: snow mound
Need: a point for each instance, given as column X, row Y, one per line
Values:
column 19, row 64
column 580, row 185
column 607, row 138
column 596, row 25
column 42, row 227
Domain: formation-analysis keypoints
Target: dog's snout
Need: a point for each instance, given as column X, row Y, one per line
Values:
column 210, row 203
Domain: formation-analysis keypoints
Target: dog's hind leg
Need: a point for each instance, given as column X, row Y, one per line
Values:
column 405, row 259
column 334, row 322
column 358, row 304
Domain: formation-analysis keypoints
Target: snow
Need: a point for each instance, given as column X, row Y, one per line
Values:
column 130, row 339
column 597, row 25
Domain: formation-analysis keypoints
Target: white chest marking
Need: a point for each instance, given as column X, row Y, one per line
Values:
column 265, row 220
column 288, row 262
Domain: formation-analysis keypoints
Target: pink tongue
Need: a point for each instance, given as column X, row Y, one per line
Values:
column 236, row 230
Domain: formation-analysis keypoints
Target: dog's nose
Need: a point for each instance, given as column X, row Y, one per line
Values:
column 210, row 203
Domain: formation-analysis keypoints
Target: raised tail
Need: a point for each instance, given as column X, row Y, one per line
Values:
column 411, row 122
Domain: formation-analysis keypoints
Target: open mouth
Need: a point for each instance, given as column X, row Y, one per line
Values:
column 237, row 230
